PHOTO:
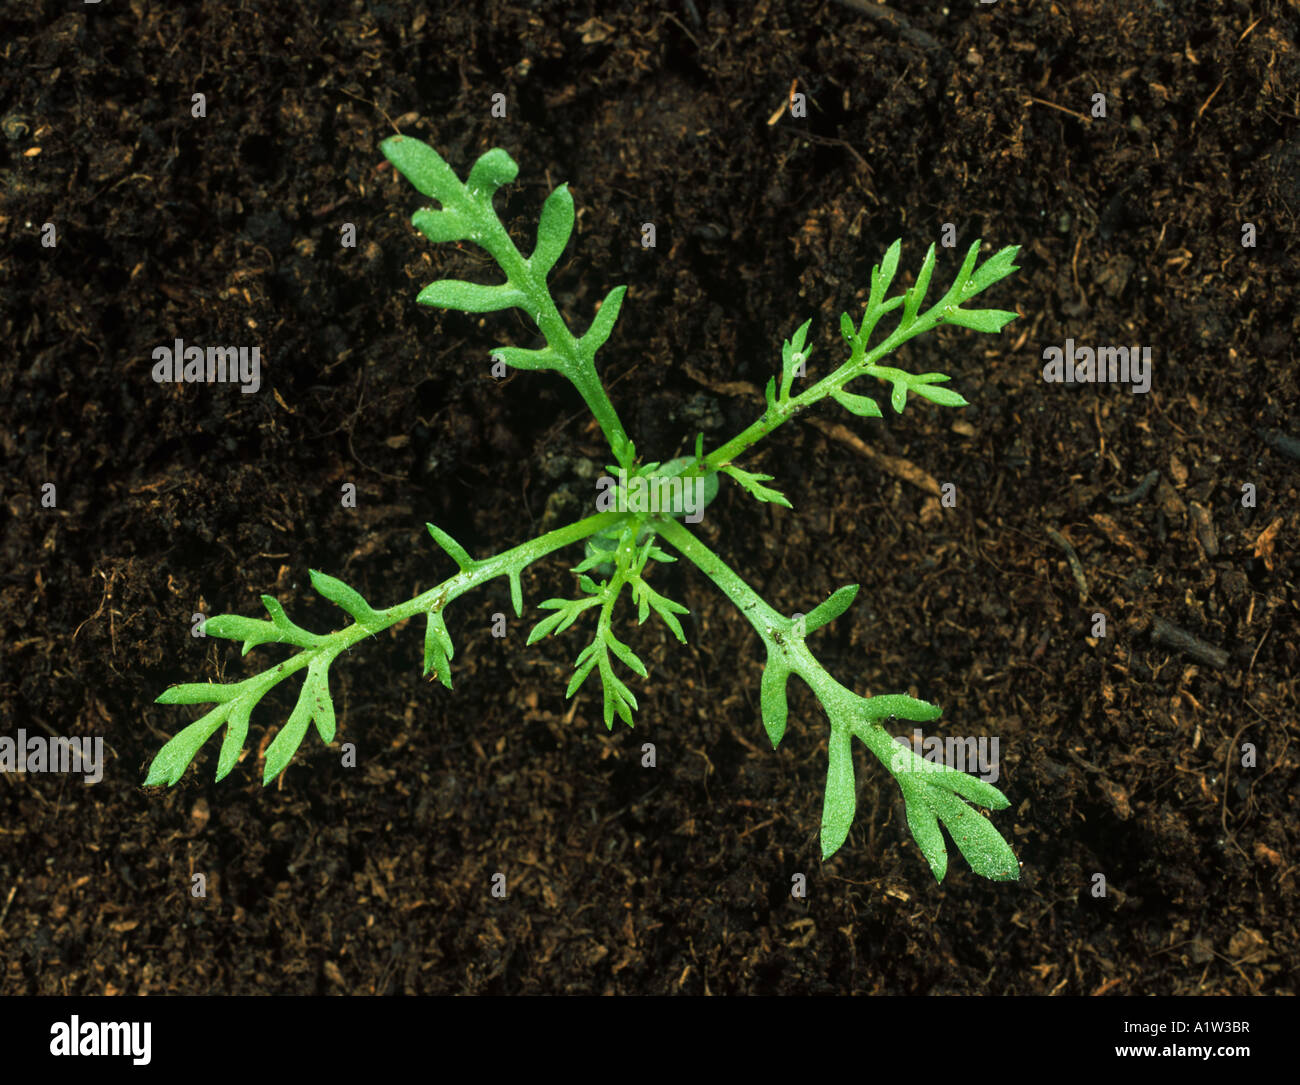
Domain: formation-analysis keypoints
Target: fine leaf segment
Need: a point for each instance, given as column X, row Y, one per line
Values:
column 623, row 536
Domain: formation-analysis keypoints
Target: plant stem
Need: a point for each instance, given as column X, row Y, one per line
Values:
column 507, row 563
column 580, row 371
column 780, row 636
column 783, row 412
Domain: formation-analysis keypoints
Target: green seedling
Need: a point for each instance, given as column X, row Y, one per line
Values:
column 647, row 504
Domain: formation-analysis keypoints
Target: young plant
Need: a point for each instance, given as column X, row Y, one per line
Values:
column 642, row 505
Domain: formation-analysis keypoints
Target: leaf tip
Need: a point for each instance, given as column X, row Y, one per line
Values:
column 158, row 776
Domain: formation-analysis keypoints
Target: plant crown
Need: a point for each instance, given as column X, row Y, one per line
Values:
column 622, row 541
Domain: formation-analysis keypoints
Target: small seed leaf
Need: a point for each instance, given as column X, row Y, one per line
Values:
column 172, row 760
column 690, row 495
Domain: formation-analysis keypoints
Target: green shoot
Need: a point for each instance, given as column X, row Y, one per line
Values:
column 641, row 505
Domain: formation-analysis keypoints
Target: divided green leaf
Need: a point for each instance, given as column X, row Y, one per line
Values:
column 753, row 484
column 994, row 269
column 438, row 648
column 348, row 598
column 980, row 320
column 423, row 167
column 917, row 294
column 620, row 543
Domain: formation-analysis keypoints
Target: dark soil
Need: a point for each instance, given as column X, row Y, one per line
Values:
column 1122, row 754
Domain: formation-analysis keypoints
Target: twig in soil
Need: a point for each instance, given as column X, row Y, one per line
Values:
column 1172, row 637
column 897, row 22
column 1076, row 566
column 1135, row 495
column 1227, row 776
column 813, row 137
column 1205, row 532
column 1280, row 442
column 8, row 901
column 1206, row 103
column 893, row 465
column 794, row 84
column 1060, row 108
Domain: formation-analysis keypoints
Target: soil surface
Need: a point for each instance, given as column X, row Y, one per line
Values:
column 1145, row 155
